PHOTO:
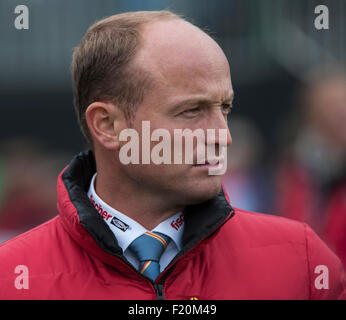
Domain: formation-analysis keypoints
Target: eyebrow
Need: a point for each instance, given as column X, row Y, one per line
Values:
column 199, row 100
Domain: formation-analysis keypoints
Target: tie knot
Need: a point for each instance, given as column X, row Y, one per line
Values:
column 149, row 246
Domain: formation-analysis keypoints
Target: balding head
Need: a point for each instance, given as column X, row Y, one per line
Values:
column 101, row 63
column 177, row 45
column 181, row 57
column 103, row 66
column 185, row 84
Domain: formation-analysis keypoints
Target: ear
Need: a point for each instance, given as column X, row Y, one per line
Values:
column 105, row 121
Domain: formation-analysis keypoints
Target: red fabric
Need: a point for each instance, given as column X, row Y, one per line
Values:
column 295, row 198
column 299, row 199
column 335, row 231
column 252, row 256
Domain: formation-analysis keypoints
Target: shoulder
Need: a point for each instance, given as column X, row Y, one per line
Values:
column 266, row 228
column 39, row 255
column 292, row 243
column 29, row 247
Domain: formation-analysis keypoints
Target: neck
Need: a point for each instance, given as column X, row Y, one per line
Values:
column 136, row 202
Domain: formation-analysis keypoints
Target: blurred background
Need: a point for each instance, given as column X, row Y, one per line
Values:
column 288, row 123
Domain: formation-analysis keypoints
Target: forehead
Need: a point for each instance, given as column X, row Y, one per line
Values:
column 181, row 56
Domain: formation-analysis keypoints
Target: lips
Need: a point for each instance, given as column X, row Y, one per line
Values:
column 208, row 164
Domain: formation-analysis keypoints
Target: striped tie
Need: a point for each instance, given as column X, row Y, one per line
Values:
column 148, row 248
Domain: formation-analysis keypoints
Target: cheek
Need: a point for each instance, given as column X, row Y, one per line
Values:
column 157, row 142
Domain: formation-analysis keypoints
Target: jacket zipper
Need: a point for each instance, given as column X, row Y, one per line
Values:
column 158, row 287
column 159, row 291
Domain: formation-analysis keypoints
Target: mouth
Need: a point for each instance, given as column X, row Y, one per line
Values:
column 207, row 165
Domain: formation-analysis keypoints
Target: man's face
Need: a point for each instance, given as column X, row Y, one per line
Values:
column 192, row 89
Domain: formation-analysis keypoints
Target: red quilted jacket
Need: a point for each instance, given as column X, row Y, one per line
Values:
column 227, row 254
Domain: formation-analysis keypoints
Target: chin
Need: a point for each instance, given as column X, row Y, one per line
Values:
column 202, row 191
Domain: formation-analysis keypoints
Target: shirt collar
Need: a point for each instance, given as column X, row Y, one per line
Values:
column 126, row 229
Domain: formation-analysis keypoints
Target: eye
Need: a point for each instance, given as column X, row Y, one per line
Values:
column 191, row 112
column 226, row 108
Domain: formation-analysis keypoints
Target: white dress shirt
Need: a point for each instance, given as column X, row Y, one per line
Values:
column 126, row 229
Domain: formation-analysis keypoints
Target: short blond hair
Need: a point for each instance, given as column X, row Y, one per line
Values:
column 101, row 69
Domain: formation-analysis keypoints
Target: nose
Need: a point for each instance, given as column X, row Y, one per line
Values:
column 220, row 124
column 229, row 136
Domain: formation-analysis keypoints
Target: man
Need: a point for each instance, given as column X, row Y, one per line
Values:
column 148, row 231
